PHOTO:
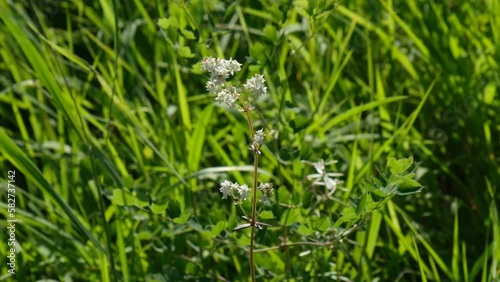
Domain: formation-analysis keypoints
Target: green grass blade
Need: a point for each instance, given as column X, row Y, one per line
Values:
column 19, row 159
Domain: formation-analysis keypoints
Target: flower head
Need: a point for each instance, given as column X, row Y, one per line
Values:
column 256, row 85
column 236, row 191
column 243, row 191
column 258, row 138
column 228, row 96
column 226, row 188
column 220, row 68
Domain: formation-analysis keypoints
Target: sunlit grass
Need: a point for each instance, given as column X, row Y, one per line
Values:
column 119, row 148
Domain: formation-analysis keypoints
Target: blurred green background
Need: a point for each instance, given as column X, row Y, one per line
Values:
column 118, row 148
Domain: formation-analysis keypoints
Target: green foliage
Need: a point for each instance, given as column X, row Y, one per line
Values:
column 119, row 149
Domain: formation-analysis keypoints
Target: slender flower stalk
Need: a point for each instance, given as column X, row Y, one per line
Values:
column 228, row 95
column 254, row 213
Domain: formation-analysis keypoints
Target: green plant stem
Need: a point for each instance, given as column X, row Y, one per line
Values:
column 254, row 215
column 254, row 197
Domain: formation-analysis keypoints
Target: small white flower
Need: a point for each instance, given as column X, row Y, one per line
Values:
column 225, row 189
column 243, row 191
column 256, row 85
column 258, row 138
column 233, row 66
column 220, row 68
column 228, row 96
column 323, row 178
column 238, row 192
column 214, row 85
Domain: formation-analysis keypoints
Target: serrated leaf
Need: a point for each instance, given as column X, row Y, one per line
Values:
column 266, row 215
column 304, row 230
column 399, row 166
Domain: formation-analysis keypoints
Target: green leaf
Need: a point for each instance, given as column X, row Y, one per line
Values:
column 361, row 204
column 173, row 209
column 322, row 224
column 266, row 215
column 399, row 166
column 405, row 186
column 158, row 208
column 375, row 187
column 186, row 52
column 218, row 228
column 300, row 123
column 284, row 195
column 349, row 214
column 304, row 230
column 122, row 198
column 290, row 217
column 305, row 151
column 258, row 51
column 270, row 33
column 188, row 34
column 165, row 23
column 183, row 218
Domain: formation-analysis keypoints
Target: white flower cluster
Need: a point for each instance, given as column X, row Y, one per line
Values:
column 258, row 138
column 236, row 191
column 323, row 178
column 256, row 85
column 220, row 70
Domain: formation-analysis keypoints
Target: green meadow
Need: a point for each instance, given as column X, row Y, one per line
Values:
column 113, row 150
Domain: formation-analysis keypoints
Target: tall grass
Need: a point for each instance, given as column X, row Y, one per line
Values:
column 119, row 149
